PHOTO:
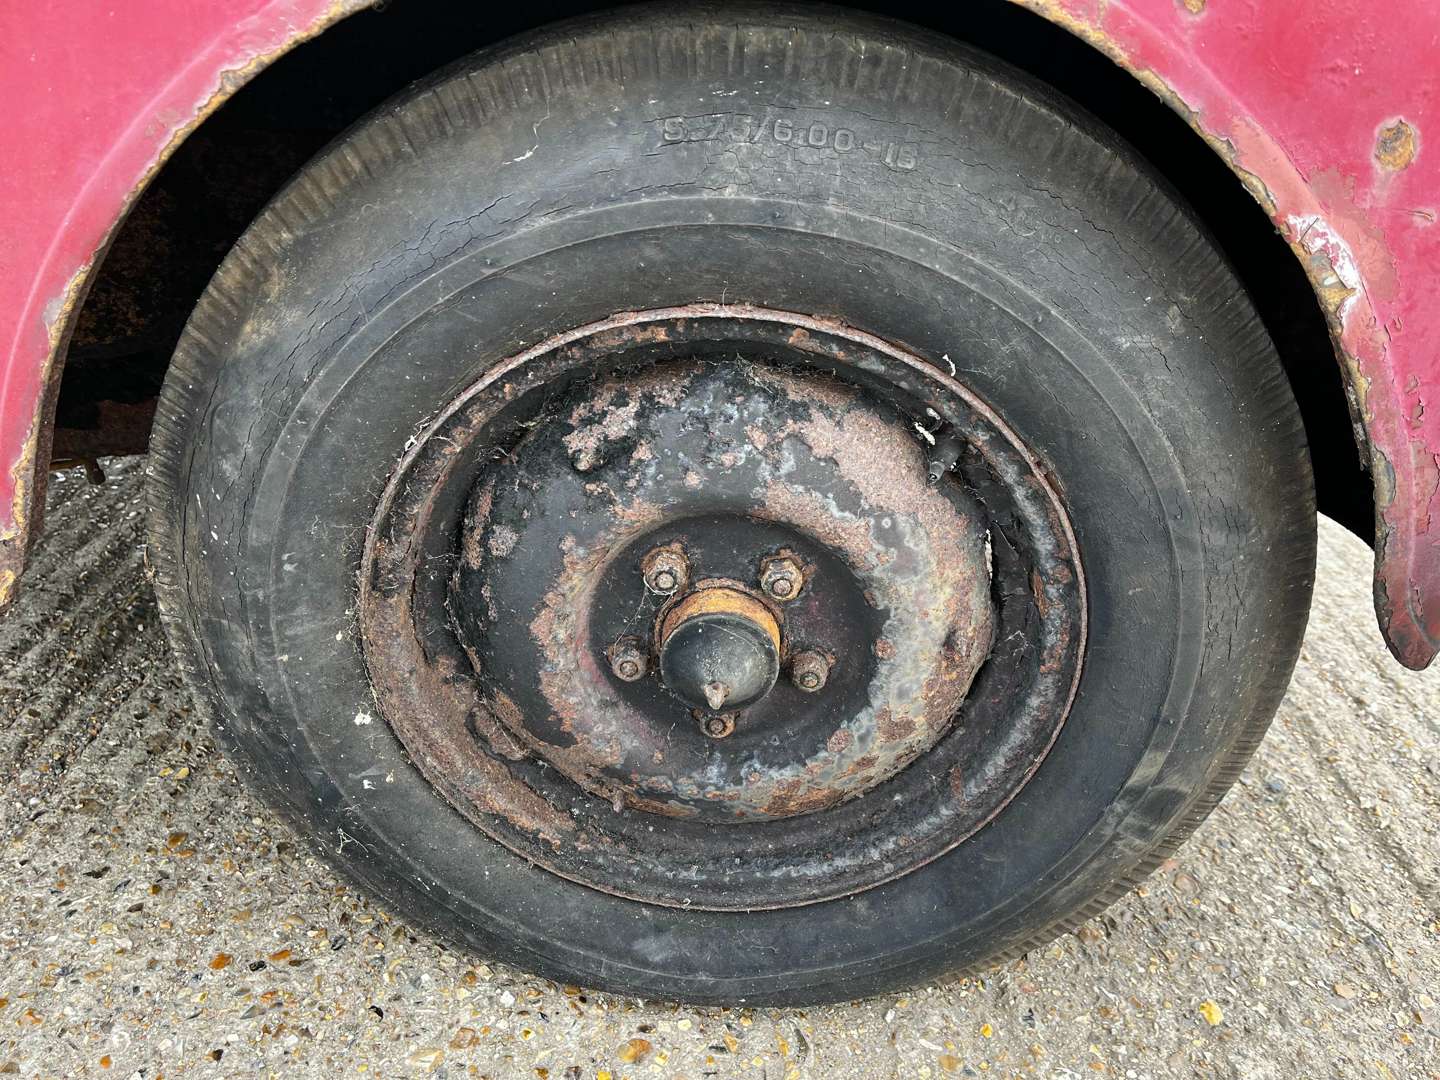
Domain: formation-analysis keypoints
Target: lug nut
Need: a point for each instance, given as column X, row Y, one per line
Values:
column 781, row 577
column 665, row 569
column 719, row 725
column 809, row 671
column 628, row 660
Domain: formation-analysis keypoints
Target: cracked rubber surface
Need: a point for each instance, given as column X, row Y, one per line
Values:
column 660, row 158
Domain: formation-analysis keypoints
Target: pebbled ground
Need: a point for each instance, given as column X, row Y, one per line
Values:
column 156, row 921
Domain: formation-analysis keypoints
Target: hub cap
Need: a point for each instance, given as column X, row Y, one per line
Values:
column 672, row 606
column 719, row 649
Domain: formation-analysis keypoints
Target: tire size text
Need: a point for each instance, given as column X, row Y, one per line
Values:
column 816, row 135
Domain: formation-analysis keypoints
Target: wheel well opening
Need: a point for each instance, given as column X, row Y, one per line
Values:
column 205, row 196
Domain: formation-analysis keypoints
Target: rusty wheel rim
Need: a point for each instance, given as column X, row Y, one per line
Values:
column 522, row 576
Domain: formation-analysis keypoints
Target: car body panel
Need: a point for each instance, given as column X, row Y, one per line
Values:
column 1322, row 107
column 97, row 97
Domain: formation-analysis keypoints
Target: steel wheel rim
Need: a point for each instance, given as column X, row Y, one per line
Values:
column 427, row 685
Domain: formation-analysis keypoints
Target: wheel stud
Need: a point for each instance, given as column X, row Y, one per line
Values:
column 628, row 660
column 809, row 671
column 781, row 577
column 665, row 569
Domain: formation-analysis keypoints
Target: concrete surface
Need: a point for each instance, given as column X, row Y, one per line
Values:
column 156, row 921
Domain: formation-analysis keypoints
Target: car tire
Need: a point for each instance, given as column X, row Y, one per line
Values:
column 837, row 184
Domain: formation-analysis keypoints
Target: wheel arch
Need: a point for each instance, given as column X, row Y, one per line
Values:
column 1334, row 224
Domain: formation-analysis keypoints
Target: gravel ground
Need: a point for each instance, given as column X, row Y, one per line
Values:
column 157, row 921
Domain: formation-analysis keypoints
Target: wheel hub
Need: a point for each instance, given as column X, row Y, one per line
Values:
column 719, row 649
column 672, row 606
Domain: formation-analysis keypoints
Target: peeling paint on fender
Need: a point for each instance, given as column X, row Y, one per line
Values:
column 1336, row 277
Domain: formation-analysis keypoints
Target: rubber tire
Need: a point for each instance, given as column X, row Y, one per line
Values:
column 530, row 189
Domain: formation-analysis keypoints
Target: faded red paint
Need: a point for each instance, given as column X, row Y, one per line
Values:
column 95, row 97
column 1326, row 108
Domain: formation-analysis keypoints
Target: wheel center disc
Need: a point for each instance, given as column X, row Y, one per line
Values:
column 722, row 607
column 801, row 511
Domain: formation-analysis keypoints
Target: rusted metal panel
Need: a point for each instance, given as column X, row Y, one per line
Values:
column 1323, row 109
column 96, row 98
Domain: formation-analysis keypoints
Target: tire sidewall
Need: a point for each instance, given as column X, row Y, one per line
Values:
column 360, row 304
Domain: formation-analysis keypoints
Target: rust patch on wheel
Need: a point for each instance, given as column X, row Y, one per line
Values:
column 902, row 639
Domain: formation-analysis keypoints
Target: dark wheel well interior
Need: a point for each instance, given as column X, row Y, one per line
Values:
column 220, row 177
